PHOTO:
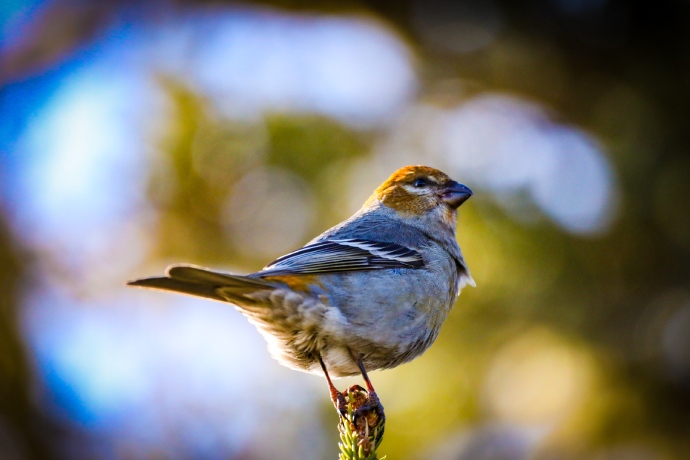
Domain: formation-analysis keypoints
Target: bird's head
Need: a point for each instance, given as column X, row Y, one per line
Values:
column 421, row 191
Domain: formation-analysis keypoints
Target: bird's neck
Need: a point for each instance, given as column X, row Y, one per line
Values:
column 439, row 221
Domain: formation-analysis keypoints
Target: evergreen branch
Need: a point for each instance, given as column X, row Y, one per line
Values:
column 361, row 427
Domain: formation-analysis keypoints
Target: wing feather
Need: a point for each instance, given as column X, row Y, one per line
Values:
column 343, row 255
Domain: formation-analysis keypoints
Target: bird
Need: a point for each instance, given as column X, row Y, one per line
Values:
column 370, row 293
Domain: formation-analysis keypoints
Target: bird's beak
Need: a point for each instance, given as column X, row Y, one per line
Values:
column 455, row 194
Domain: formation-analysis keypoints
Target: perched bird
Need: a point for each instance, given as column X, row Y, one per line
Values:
column 370, row 293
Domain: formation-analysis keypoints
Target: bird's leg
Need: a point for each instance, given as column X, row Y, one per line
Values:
column 365, row 376
column 373, row 404
column 337, row 397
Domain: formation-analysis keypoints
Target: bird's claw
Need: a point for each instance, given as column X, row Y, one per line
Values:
column 367, row 418
column 371, row 410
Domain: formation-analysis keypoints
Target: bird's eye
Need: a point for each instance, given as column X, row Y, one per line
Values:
column 420, row 182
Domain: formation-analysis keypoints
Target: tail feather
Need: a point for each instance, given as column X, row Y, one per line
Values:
column 183, row 287
column 196, row 274
column 201, row 282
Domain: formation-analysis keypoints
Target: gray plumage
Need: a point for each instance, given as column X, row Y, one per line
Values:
column 376, row 287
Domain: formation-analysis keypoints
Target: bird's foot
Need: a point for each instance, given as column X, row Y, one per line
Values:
column 367, row 415
column 370, row 408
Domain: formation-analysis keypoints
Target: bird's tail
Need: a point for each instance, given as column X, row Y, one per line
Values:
column 201, row 282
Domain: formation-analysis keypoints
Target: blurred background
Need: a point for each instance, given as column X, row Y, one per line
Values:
column 138, row 134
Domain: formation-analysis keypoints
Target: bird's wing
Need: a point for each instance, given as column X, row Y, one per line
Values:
column 337, row 255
